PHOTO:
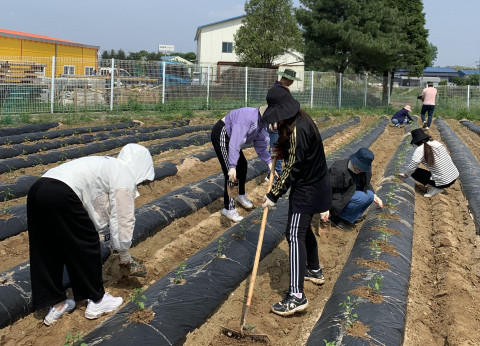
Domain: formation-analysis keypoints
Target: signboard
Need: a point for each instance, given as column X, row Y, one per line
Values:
column 166, row 48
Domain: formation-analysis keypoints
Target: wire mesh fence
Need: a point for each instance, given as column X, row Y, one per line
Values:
column 27, row 85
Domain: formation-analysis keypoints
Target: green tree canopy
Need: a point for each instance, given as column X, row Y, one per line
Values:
column 268, row 31
column 144, row 55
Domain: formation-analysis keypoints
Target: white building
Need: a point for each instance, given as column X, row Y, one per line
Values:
column 215, row 47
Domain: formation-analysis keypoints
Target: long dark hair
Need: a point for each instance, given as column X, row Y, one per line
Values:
column 427, row 152
column 286, row 129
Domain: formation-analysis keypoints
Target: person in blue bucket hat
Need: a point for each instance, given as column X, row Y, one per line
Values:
column 352, row 191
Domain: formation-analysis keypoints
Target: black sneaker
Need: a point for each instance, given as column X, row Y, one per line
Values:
column 290, row 305
column 341, row 224
column 315, row 276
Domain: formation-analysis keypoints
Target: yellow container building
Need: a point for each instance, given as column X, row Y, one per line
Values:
column 23, row 56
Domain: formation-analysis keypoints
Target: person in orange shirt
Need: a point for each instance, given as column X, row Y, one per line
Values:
column 428, row 99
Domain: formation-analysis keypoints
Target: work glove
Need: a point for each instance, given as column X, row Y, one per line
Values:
column 267, row 202
column 325, row 216
column 232, row 174
column 270, row 168
column 132, row 267
column 124, row 256
column 377, row 200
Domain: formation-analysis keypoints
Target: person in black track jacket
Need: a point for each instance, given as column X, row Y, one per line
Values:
column 306, row 175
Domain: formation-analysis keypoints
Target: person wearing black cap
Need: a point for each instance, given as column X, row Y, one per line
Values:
column 306, row 175
column 441, row 172
column 287, row 78
column 352, row 191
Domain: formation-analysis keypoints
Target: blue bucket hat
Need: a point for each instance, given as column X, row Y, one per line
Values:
column 362, row 159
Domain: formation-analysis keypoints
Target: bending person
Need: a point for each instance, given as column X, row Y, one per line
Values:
column 441, row 172
column 66, row 208
column 306, row 175
column 240, row 126
column 352, row 191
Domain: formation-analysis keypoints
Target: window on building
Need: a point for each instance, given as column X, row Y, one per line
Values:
column 227, row 47
column 68, row 69
column 89, row 71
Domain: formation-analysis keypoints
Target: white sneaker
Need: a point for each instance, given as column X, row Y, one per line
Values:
column 107, row 304
column 243, row 200
column 54, row 314
column 232, row 215
column 426, row 127
column 433, row 191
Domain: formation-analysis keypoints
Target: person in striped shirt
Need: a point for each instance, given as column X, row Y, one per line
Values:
column 441, row 172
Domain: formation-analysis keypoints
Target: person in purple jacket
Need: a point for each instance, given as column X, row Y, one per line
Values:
column 402, row 117
column 240, row 126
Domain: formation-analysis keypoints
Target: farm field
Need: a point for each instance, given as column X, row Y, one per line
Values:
column 443, row 295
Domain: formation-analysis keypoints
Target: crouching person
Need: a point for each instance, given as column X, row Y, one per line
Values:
column 441, row 172
column 65, row 209
column 402, row 117
column 352, row 192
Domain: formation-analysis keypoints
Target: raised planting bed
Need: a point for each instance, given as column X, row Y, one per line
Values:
column 26, row 129
column 368, row 302
column 40, row 133
column 12, row 164
column 468, row 167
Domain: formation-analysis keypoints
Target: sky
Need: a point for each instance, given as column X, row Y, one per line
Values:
column 144, row 24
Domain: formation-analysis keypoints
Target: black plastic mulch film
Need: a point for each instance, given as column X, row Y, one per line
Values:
column 467, row 165
column 15, row 291
column 209, row 279
column 386, row 320
column 471, row 126
column 26, row 129
column 15, row 163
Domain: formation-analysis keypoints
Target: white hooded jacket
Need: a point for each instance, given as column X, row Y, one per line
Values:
column 107, row 187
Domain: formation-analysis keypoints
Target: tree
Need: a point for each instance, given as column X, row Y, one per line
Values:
column 268, row 31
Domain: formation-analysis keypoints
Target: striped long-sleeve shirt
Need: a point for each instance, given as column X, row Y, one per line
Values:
column 443, row 170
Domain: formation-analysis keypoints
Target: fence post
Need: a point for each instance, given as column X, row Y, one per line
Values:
column 366, row 90
column 311, row 92
column 208, row 85
column 112, row 78
column 340, row 91
column 52, row 87
column 388, row 88
column 468, row 96
column 246, row 86
column 163, row 82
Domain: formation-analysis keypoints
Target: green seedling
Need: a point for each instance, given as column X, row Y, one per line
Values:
column 243, row 228
column 375, row 247
column 136, row 297
column 376, row 282
column 179, row 273
column 24, row 152
column 26, row 139
column 72, row 338
column 220, row 247
column 11, row 168
column 329, row 343
column 63, row 157
column 384, row 234
column 8, row 141
column 347, row 309
column 39, row 161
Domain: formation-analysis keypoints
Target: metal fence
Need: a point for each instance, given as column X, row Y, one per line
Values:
column 27, row 85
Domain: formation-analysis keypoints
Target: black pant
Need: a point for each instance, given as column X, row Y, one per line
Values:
column 424, row 177
column 303, row 249
column 220, row 141
column 61, row 234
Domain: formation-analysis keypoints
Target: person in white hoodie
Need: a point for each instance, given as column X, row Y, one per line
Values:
column 66, row 208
